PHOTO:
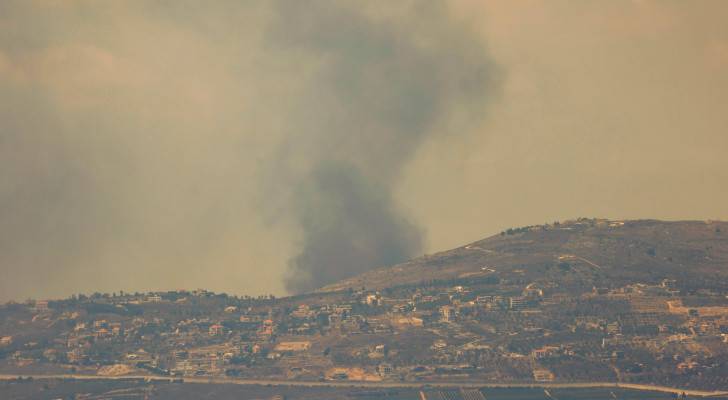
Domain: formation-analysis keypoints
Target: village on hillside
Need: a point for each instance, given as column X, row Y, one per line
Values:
column 492, row 326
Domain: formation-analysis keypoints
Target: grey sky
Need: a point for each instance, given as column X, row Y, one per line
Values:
column 158, row 145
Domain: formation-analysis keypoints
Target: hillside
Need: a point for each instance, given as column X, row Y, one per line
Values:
column 587, row 302
column 589, row 249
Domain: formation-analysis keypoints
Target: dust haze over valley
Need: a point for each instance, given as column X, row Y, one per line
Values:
column 276, row 147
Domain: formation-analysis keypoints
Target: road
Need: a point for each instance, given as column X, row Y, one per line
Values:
column 572, row 256
column 359, row 384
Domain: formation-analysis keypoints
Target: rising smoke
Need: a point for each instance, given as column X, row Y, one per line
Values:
column 384, row 82
column 133, row 136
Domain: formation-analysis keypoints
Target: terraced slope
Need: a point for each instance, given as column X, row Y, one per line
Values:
column 585, row 250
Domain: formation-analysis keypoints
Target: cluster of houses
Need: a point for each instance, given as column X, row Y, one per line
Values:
column 237, row 337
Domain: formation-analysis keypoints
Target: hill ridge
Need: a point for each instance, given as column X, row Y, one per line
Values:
column 634, row 246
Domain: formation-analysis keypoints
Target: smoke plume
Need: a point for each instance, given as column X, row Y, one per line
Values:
column 383, row 82
column 134, row 138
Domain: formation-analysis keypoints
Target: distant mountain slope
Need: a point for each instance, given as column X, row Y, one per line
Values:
column 588, row 250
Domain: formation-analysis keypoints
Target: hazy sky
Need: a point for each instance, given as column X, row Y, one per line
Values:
column 254, row 147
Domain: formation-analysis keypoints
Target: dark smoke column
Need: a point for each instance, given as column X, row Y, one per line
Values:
column 349, row 227
column 386, row 79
